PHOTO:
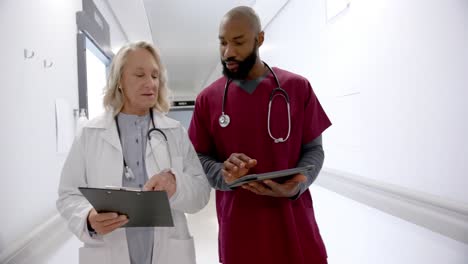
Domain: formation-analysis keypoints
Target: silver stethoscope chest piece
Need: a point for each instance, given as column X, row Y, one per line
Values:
column 224, row 120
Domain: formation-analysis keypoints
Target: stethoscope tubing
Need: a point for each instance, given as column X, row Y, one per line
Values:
column 128, row 174
column 224, row 119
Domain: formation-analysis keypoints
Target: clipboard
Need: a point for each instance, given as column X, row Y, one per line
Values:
column 269, row 175
column 143, row 208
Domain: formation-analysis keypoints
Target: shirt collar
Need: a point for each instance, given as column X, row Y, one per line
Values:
column 107, row 121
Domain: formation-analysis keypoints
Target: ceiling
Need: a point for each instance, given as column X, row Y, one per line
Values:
column 186, row 32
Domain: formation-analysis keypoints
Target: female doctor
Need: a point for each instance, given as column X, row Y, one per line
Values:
column 122, row 148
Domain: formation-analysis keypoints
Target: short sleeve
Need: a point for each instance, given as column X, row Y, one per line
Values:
column 315, row 119
column 199, row 132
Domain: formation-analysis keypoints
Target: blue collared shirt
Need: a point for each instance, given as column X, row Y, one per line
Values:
column 133, row 131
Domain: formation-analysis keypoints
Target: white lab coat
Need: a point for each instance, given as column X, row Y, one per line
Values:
column 95, row 160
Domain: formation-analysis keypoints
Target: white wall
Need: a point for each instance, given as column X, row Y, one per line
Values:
column 390, row 76
column 29, row 161
column 30, row 164
column 184, row 116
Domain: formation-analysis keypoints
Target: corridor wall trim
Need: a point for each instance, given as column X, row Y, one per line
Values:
column 39, row 244
column 446, row 217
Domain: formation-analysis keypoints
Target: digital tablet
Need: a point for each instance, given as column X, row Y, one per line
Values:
column 270, row 175
column 143, row 208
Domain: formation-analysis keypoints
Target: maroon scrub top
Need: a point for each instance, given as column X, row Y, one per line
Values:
column 254, row 228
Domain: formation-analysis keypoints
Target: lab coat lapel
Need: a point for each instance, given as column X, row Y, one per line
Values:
column 107, row 124
column 157, row 146
column 111, row 136
column 106, row 129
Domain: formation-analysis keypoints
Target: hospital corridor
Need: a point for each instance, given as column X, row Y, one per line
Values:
column 187, row 118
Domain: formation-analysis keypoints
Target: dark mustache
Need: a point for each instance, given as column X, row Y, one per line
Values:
column 231, row 60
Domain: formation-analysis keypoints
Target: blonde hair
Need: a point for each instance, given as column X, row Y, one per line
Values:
column 113, row 96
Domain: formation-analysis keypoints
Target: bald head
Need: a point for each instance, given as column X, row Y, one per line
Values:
column 246, row 14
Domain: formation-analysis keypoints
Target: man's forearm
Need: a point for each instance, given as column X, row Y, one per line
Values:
column 311, row 153
column 213, row 169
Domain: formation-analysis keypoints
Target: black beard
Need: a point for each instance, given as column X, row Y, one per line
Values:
column 243, row 68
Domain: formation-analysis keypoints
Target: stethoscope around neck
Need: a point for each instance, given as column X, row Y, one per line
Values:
column 224, row 119
column 127, row 170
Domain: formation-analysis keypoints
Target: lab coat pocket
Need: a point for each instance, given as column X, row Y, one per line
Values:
column 90, row 255
column 180, row 251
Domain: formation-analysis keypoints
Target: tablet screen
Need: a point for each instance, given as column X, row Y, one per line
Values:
column 269, row 175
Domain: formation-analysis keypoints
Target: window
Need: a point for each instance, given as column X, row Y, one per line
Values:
column 94, row 56
column 96, row 73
